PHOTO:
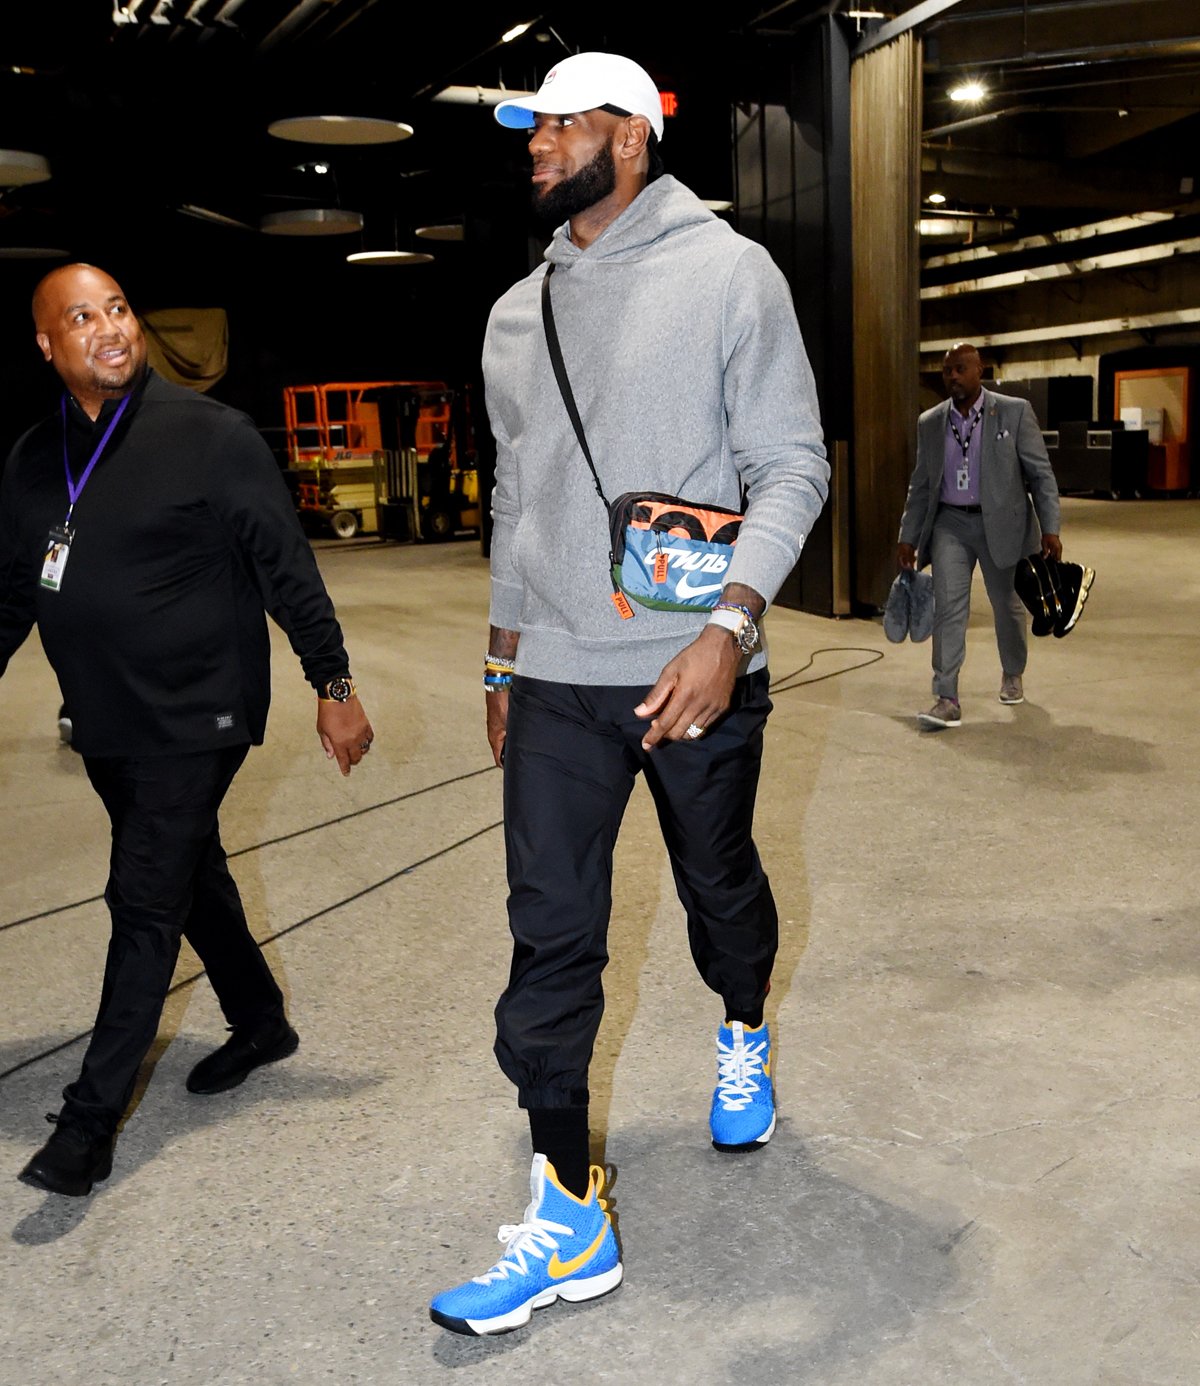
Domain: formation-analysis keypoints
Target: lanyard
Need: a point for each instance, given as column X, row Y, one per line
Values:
column 75, row 491
column 963, row 443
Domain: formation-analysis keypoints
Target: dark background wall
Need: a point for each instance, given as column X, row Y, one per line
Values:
column 133, row 135
column 792, row 170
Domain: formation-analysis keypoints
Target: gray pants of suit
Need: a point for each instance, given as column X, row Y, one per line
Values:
column 957, row 544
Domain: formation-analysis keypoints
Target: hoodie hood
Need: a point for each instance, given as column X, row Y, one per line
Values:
column 660, row 209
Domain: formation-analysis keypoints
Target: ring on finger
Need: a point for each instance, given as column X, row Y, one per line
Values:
column 364, row 746
column 694, row 730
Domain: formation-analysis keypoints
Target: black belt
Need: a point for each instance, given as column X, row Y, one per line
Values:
column 963, row 509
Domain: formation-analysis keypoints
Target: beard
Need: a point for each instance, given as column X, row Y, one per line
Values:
column 105, row 379
column 595, row 181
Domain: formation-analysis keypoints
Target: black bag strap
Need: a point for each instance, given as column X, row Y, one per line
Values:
column 564, row 384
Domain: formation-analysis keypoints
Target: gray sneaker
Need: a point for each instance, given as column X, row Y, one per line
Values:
column 1011, row 689
column 944, row 713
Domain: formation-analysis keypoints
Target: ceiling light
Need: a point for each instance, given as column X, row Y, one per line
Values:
column 515, row 32
column 190, row 209
column 968, row 91
column 311, row 221
column 450, row 231
column 865, row 14
column 944, row 226
column 19, row 166
column 389, row 257
column 32, row 252
column 339, row 129
column 476, row 96
column 962, row 225
column 936, row 198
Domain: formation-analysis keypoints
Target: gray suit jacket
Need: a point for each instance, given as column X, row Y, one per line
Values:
column 1013, row 468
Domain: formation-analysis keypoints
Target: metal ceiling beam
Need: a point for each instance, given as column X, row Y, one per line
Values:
column 910, row 19
column 1065, row 269
column 1066, row 235
column 1039, row 108
column 288, row 25
column 1065, row 331
column 225, row 14
column 1070, row 57
column 1024, row 12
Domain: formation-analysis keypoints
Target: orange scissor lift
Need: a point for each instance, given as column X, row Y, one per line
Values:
column 345, row 474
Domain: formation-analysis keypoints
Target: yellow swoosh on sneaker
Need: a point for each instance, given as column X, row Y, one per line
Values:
column 558, row 1270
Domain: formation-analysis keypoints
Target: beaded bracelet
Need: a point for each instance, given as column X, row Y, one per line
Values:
column 500, row 661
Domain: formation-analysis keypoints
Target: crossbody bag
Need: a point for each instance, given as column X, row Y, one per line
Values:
column 665, row 552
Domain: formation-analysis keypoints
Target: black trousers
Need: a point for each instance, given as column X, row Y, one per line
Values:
column 571, row 756
column 167, row 879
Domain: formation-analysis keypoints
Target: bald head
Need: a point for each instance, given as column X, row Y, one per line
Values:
column 965, row 349
column 88, row 333
column 962, row 372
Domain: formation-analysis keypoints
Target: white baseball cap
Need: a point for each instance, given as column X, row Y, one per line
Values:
column 583, row 82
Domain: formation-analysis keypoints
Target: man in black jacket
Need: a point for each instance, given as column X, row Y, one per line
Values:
column 145, row 529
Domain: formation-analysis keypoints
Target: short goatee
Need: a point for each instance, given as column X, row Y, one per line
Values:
column 595, row 181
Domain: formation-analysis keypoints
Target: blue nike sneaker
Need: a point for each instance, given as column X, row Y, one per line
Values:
column 564, row 1248
column 743, row 1105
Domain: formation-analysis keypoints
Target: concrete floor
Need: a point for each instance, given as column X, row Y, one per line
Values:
column 986, row 1167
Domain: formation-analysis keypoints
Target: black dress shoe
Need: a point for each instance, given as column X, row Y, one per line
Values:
column 70, row 1162
column 243, row 1052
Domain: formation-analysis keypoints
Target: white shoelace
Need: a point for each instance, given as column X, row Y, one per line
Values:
column 533, row 1238
column 739, row 1067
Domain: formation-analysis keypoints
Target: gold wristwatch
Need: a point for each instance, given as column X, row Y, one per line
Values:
column 738, row 621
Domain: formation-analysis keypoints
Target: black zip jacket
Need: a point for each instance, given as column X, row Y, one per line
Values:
column 184, row 536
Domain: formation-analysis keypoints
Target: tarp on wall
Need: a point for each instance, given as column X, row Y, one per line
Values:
column 189, row 346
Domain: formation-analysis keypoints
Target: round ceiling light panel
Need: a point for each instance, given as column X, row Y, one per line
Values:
column 32, row 252
column 450, row 231
column 311, row 221
column 388, row 257
column 339, row 129
column 19, row 166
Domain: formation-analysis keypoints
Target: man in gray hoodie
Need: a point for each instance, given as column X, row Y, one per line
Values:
column 683, row 354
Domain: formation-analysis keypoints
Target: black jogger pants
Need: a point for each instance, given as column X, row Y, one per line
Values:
column 571, row 756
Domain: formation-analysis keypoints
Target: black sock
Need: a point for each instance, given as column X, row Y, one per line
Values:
column 750, row 1019
column 561, row 1135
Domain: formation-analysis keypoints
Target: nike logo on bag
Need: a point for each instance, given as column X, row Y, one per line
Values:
column 558, row 1270
column 683, row 588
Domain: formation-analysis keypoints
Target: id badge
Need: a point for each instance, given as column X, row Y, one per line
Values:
column 963, row 477
column 58, row 550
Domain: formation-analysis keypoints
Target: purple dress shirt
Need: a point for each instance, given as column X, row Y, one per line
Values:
column 970, row 431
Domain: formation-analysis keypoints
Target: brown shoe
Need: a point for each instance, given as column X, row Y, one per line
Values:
column 944, row 713
column 1011, row 689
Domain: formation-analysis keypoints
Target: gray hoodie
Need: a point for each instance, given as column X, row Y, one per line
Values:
column 683, row 352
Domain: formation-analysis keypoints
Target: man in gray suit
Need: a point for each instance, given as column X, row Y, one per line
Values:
column 980, row 490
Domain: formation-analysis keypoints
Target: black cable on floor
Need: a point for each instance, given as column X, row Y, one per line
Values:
column 781, row 685
column 271, row 938
column 273, row 841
